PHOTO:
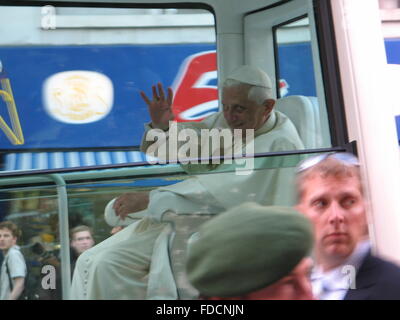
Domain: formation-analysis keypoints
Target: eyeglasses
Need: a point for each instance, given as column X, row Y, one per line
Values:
column 344, row 157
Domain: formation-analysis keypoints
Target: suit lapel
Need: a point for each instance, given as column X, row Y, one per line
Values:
column 365, row 279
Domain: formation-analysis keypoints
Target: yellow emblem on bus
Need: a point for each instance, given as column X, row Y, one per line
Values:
column 14, row 134
column 78, row 97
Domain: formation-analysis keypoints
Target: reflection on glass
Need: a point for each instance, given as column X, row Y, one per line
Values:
column 35, row 209
column 295, row 58
column 298, row 93
column 86, row 67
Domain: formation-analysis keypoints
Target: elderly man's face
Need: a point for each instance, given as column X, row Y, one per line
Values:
column 336, row 207
column 242, row 113
column 82, row 241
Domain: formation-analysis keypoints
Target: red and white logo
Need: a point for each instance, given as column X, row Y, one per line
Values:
column 195, row 98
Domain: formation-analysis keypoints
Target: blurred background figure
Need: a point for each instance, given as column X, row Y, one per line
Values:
column 13, row 268
column 81, row 240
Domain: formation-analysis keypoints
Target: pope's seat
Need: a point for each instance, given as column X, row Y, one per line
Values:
column 306, row 116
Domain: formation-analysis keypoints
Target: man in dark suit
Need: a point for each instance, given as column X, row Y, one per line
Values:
column 331, row 195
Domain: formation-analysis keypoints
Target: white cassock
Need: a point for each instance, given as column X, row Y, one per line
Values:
column 134, row 263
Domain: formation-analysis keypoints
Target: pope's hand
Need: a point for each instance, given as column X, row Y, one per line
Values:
column 159, row 107
column 130, row 202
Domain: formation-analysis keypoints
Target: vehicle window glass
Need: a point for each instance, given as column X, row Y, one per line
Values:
column 298, row 83
column 70, row 80
column 33, row 203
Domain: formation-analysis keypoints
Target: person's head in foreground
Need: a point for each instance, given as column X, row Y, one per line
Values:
column 330, row 194
column 252, row 252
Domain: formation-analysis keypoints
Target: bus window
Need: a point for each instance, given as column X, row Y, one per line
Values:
column 295, row 68
column 35, row 212
column 389, row 11
column 294, row 59
column 80, row 103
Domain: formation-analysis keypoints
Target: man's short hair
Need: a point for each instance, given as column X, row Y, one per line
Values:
column 15, row 230
column 328, row 167
column 80, row 229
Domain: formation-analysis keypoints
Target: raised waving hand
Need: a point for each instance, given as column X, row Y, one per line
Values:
column 159, row 106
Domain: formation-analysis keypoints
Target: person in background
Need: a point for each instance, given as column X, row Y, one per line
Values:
column 13, row 268
column 81, row 240
column 331, row 194
column 252, row 252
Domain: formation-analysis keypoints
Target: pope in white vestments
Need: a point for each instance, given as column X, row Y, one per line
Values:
column 134, row 263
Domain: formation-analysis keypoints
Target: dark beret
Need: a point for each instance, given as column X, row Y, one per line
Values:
column 246, row 249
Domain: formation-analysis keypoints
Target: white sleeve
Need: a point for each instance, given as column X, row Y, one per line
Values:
column 185, row 197
column 16, row 264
